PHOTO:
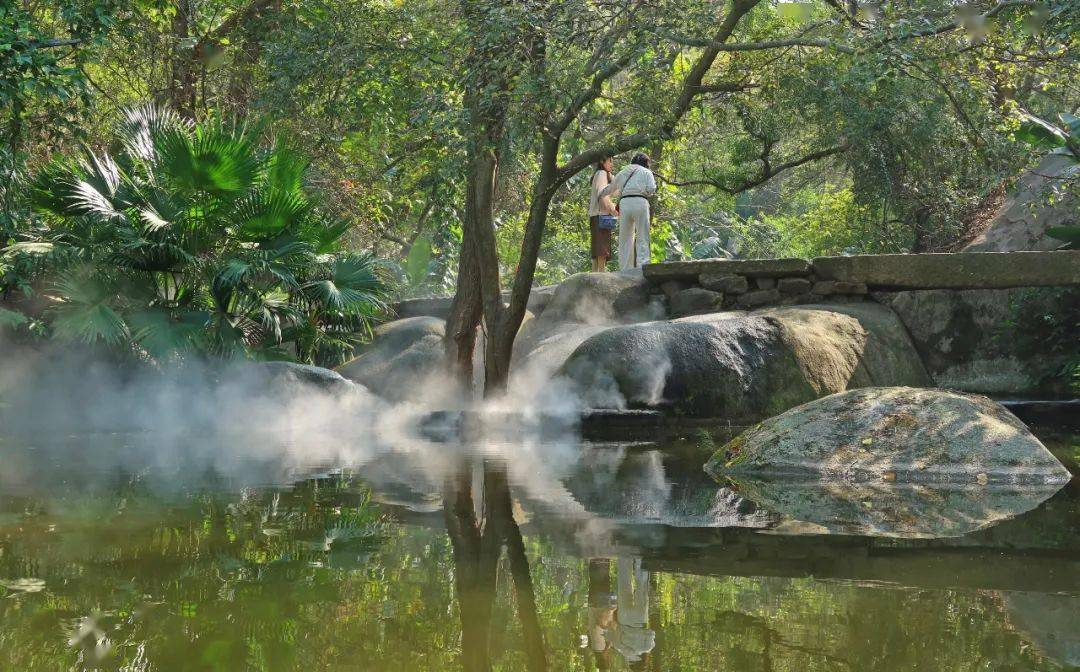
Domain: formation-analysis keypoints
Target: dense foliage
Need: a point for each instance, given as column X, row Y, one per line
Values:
column 869, row 129
column 191, row 237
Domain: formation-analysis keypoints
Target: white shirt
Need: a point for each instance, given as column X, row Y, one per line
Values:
column 633, row 180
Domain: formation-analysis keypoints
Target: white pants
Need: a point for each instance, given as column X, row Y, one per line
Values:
column 633, row 233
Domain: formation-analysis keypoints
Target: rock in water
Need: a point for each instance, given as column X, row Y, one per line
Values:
column 1050, row 622
column 745, row 366
column 894, row 434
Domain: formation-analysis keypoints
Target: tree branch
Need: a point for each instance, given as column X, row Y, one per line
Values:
column 230, row 24
column 768, row 172
column 819, row 43
column 54, row 43
column 689, row 90
column 590, row 94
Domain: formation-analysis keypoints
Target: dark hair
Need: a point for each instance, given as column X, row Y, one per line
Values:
column 600, row 164
column 641, row 159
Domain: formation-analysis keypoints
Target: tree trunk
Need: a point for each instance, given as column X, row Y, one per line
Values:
column 503, row 331
column 497, row 494
column 922, row 237
column 466, row 308
column 181, row 91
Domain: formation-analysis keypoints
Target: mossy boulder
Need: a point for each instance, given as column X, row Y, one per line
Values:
column 968, row 338
column 291, row 378
column 893, row 435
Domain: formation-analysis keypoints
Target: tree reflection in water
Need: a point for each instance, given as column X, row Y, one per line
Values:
column 480, row 523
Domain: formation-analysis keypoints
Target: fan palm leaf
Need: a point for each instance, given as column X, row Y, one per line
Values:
column 354, row 286
column 200, row 241
column 264, row 215
column 208, row 160
column 285, row 170
column 84, row 313
column 138, row 126
column 163, row 334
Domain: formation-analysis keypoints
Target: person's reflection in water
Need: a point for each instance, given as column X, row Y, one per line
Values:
column 601, row 619
column 632, row 638
column 621, row 626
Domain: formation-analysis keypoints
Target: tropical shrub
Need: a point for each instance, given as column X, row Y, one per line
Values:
column 192, row 238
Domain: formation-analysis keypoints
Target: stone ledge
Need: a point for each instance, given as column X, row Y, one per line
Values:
column 968, row 270
column 751, row 268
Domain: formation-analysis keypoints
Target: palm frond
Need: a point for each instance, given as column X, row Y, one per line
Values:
column 211, row 159
column 165, row 333
column 55, row 188
column 285, row 169
column 88, row 200
column 102, row 172
column 266, row 215
column 327, row 233
column 12, row 318
column 139, row 125
column 31, row 247
column 354, row 286
column 84, row 313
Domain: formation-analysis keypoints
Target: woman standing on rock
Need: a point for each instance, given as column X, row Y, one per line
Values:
column 601, row 212
column 634, row 185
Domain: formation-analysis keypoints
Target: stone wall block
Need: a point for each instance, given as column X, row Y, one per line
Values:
column 841, row 287
column 794, row 286
column 727, row 283
column 760, row 297
column 694, row 301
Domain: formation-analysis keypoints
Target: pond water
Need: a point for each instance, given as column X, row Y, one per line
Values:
column 541, row 554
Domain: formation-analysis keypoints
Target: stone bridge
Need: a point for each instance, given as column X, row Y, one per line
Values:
column 743, row 283
column 693, row 286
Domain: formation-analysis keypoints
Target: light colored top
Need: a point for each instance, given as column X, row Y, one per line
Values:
column 633, row 180
column 600, row 205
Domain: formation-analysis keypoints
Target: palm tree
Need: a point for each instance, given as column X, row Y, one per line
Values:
column 192, row 238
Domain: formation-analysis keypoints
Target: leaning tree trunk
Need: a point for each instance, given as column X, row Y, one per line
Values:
column 502, row 330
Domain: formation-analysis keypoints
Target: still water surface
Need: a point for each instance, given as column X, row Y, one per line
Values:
column 566, row 556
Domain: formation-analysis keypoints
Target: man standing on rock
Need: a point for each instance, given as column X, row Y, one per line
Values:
column 634, row 185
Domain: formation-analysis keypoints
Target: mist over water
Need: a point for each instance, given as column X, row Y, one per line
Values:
column 233, row 423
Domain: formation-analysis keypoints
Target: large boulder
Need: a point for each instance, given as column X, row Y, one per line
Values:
column 402, row 356
column 289, row 378
column 962, row 338
column 895, row 435
column 744, row 366
column 1020, row 223
column 590, row 300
